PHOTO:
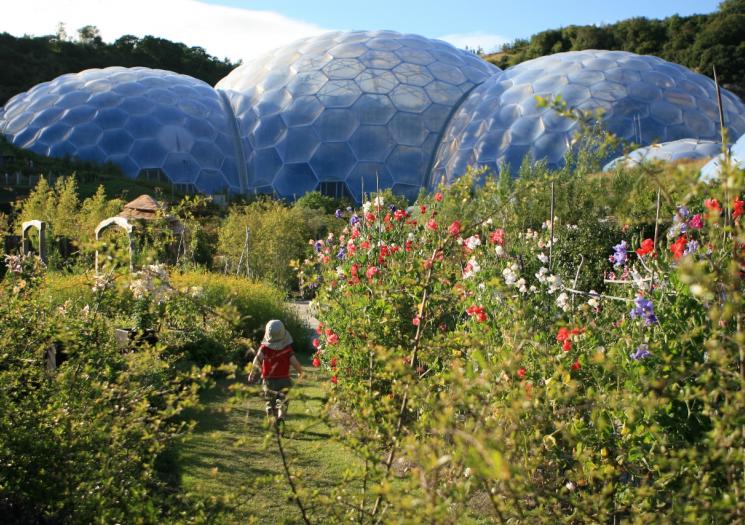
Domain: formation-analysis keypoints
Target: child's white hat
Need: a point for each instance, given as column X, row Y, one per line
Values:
column 276, row 336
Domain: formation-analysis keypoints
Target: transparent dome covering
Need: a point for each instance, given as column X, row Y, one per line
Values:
column 347, row 110
column 644, row 100
column 151, row 123
column 683, row 149
column 713, row 168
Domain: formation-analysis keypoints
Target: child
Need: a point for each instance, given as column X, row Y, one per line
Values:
column 275, row 356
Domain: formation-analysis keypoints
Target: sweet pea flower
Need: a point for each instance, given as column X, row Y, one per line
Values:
column 371, row 272
column 316, row 362
column 691, row 246
column 643, row 309
column 543, row 257
column 454, row 229
column 415, row 321
column 713, row 205
column 497, row 237
column 619, row 257
column 472, row 268
column 738, row 208
column 339, row 214
column 642, row 351
column 342, row 253
column 678, row 247
column 521, row 373
column 646, row 248
column 472, row 242
column 354, row 220
column 696, row 222
column 576, row 366
column 333, row 339
column 432, row 225
column 478, row 312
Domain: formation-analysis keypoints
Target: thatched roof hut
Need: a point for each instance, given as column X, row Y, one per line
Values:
column 146, row 208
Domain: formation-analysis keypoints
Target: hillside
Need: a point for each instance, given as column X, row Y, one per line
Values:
column 698, row 42
column 26, row 61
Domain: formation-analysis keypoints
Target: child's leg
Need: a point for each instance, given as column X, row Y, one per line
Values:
column 271, row 401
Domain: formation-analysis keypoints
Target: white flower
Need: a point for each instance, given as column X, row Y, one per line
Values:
column 562, row 301
column 521, row 285
column 499, row 251
column 569, row 485
column 467, row 472
column 554, row 283
column 533, row 289
column 489, row 221
column 471, row 269
column 366, row 206
column 542, row 274
column 339, row 271
column 472, row 242
column 378, row 202
column 594, row 300
column 543, row 258
column 510, row 274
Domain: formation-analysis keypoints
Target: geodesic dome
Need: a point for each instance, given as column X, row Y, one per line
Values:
column 149, row 122
column 345, row 110
column 644, row 99
column 712, row 169
column 688, row 149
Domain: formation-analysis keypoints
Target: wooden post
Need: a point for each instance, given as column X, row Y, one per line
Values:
column 551, row 238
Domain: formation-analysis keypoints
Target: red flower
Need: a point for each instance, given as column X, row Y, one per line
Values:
column 400, row 215
column 415, row 321
column 678, row 247
column 564, row 336
column 407, row 245
column 316, row 343
column 319, row 328
column 438, row 196
column 646, row 247
column 316, row 362
column 576, row 365
column 432, row 225
column 333, row 379
column 332, row 363
column 521, row 373
column 365, row 245
column 713, row 205
column 371, row 272
column 333, row 339
column 370, row 217
column 738, row 208
column 454, row 228
column 567, row 345
column 477, row 311
column 355, row 233
column 423, row 209
column 497, row 237
column 328, row 332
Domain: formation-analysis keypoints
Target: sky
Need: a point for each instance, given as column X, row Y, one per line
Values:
column 245, row 29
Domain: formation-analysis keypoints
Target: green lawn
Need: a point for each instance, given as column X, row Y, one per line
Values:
column 233, row 457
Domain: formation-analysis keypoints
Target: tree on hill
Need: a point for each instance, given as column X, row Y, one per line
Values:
column 27, row 61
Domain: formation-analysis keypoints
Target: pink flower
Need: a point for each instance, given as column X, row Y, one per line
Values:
column 415, row 321
column 316, row 343
column 316, row 362
column 454, row 228
column 432, row 225
column 371, row 272
column 713, row 205
column 333, row 339
column 696, row 222
column 497, row 237
column 438, row 196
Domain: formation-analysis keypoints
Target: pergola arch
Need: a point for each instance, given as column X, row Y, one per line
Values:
column 26, row 243
column 122, row 223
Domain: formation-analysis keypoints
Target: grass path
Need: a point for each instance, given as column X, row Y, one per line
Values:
column 233, row 458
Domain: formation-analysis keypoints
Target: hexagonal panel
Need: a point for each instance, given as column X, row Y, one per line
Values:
column 336, row 125
column 372, row 143
column 332, row 161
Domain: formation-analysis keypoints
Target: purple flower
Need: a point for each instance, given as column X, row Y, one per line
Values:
column 683, row 212
column 317, row 246
column 619, row 257
column 691, row 247
column 642, row 351
column 338, row 214
column 392, row 208
column 354, row 220
column 349, row 208
column 342, row 253
column 644, row 309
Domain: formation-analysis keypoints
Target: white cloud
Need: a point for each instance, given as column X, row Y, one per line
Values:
column 478, row 39
column 222, row 31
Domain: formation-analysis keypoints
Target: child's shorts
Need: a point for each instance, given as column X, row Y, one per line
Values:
column 275, row 393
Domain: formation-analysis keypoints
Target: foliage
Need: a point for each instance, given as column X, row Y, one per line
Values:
column 697, row 41
column 261, row 239
column 82, row 442
column 486, row 360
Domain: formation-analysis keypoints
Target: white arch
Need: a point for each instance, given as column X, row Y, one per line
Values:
column 120, row 222
column 26, row 244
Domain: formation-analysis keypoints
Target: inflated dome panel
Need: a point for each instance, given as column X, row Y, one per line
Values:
column 683, row 149
column 149, row 122
column 711, row 169
column 644, row 100
column 345, row 110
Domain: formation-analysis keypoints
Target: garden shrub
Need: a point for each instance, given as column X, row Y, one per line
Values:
column 457, row 346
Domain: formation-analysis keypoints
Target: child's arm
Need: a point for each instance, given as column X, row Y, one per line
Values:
column 256, row 367
column 296, row 365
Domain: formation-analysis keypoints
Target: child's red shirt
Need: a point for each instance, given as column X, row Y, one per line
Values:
column 276, row 363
